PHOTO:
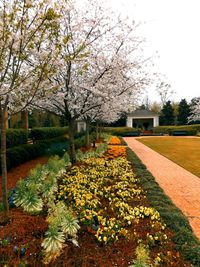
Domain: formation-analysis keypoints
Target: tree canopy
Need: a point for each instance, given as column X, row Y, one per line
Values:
column 167, row 114
column 183, row 112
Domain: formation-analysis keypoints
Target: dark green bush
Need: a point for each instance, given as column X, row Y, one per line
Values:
column 47, row 132
column 55, row 146
column 190, row 129
column 16, row 137
column 185, row 240
column 78, row 135
column 121, row 131
column 122, row 141
column 80, row 142
column 23, row 153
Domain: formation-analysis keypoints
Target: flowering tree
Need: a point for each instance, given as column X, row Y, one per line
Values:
column 195, row 112
column 96, row 65
column 27, row 31
column 164, row 90
column 120, row 91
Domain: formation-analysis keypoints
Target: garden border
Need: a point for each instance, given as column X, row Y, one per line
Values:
column 184, row 238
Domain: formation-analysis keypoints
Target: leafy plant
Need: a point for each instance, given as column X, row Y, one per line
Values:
column 53, row 244
column 62, row 225
column 40, row 185
column 142, row 256
column 27, row 197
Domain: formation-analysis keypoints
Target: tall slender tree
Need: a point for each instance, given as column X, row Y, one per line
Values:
column 183, row 112
column 167, row 114
column 27, row 29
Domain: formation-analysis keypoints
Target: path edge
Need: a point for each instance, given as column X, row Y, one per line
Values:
column 184, row 238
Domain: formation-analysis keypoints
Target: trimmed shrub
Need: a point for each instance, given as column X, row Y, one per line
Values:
column 78, row 135
column 23, row 153
column 190, row 129
column 55, row 146
column 16, row 137
column 47, row 132
column 186, row 241
column 122, row 131
column 123, row 143
column 80, row 142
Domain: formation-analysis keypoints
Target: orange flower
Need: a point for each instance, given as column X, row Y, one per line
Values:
column 115, row 152
column 114, row 140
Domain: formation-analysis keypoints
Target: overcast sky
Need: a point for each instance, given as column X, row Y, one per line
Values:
column 172, row 27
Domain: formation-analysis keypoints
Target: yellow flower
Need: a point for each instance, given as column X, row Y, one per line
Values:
column 105, row 239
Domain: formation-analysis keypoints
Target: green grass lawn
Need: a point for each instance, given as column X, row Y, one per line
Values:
column 183, row 151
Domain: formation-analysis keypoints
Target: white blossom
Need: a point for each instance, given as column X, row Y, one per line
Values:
column 195, row 112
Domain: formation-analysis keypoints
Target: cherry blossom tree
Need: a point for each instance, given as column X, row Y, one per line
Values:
column 96, row 66
column 27, row 32
column 195, row 112
column 120, row 91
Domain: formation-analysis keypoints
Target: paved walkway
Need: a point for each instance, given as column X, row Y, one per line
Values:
column 180, row 185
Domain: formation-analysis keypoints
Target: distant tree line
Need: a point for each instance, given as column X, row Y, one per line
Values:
column 171, row 113
column 178, row 113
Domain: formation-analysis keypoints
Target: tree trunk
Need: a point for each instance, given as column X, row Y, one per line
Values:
column 100, row 130
column 87, row 133
column 24, row 119
column 3, row 163
column 6, row 120
column 72, row 151
column 97, row 130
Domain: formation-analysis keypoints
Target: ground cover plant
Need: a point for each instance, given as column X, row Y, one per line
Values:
column 183, row 151
column 185, row 240
column 92, row 213
column 21, row 171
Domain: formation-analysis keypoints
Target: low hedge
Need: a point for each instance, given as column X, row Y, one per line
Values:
column 185, row 240
column 23, row 153
column 16, row 137
column 80, row 142
column 123, row 143
column 190, row 129
column 121, row 131
column 47, row 132
column 55, row 146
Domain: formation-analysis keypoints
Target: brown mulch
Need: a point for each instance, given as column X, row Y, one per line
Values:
column 22, row 171
column 25, row 231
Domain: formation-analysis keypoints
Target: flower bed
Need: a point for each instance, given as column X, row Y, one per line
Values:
column 115, row 152
column 114, row 140
column 111, row 206
column 97, row 205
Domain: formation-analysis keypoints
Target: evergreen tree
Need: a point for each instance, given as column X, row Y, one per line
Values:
column 183, row 112
column 167, row 116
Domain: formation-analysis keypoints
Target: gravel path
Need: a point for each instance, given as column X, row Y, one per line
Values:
column 179, row 184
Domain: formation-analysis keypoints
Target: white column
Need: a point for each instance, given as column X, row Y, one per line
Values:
column 129, row 122
column 155, row 121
